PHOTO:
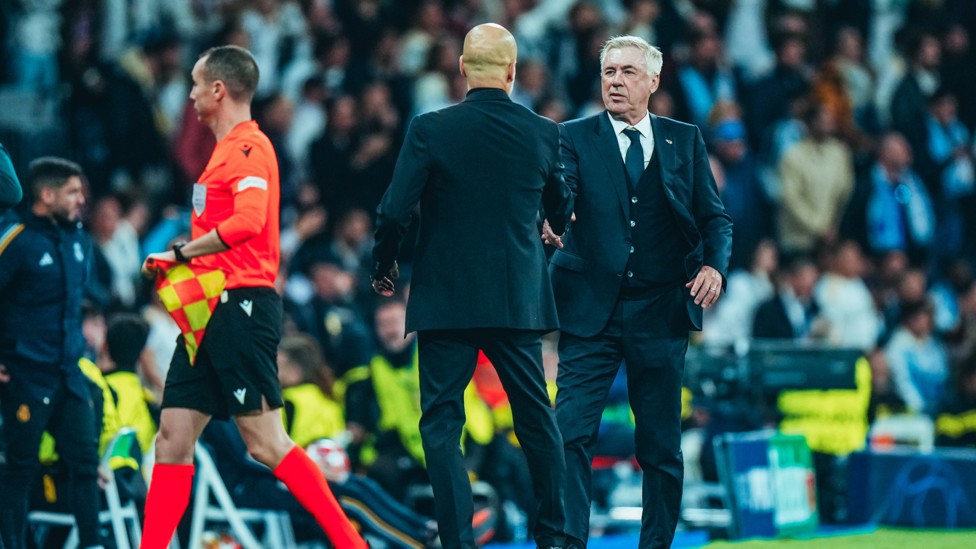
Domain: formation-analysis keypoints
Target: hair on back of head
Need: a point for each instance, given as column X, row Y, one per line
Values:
column 235, row 67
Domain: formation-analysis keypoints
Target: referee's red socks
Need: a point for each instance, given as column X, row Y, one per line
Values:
column 303, row 478
column 169, row 494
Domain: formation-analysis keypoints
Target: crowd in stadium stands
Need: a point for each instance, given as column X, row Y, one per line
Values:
column 840, row 135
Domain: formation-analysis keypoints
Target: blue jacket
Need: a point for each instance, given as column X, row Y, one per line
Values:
column 43, row 270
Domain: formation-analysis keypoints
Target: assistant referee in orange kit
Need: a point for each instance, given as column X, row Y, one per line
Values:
column 235, row 229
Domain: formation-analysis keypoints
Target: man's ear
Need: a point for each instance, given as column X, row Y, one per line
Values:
column 511, row 73
column 219, row 90
column 655, row 83
column 461, row 66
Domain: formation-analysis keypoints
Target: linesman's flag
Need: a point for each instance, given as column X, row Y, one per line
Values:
column 190, row 294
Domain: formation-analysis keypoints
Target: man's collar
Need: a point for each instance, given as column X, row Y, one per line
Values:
column 486, row 94
column 643, row 126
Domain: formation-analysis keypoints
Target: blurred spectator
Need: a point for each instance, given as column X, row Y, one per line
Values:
column 885, row 401
column 118, row 243
column 34, row 41
column 745, row 38
column 732, row 319
column 957, row 73
column 387, row 404
column 644, row 18
column 921, row 80
column 310, row 411
column 125, row 341
column 954, row 426
column 846, row 304
column 857, row 77
column 779, row 138
column 918, row 361
column 703, row 80
column 817, row 175
column 963, row 335
column 792, row 313
column 531, row 83
column 327, row 65
column 334, row 321
column 574, row 52
column 947, row 291
column 308, row 124
column 899, row 211
column 432, row 87
column 953, row 181
column 768, row 99
column 743, row 196
column 330, row 154
column 275, row 115
column 276, row 34
column 421, row 37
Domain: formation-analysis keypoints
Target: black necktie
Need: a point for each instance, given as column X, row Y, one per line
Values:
column 634, row 161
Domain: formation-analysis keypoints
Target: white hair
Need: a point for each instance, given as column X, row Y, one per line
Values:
column 653, row 58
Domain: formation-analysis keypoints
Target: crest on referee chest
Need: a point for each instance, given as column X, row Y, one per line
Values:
column 199, row 199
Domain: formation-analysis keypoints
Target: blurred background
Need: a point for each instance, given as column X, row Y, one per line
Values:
column 840, row 135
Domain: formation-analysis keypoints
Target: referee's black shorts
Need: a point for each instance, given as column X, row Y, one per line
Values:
column 236, row 363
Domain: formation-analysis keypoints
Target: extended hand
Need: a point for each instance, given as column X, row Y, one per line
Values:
column 706, row 287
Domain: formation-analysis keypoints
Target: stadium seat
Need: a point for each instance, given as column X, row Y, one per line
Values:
column 119, row 452
column 917, row 431
column 277, row 529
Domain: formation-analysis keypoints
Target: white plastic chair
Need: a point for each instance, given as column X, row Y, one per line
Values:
column 278, row 532
column 120, row 448
column 917, row 431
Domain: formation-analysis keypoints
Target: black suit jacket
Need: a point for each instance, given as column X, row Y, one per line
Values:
column 588, row 271
column 480, row 170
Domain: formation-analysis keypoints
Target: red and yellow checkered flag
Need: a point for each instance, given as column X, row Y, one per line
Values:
column 190, row 294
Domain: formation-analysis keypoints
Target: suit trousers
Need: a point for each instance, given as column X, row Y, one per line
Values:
column 654, row 357
column 447, row 363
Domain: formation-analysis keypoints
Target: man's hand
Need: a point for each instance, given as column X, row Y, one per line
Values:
column 706, row 287
column 383, row 285
column 551, row 238
column 150, row 272
column 4, row 374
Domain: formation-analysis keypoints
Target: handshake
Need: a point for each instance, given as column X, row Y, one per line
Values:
column 383, row 281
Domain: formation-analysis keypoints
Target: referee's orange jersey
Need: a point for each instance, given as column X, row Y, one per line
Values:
column 239, row 194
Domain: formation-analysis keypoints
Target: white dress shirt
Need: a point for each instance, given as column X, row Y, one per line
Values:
column 647, row 136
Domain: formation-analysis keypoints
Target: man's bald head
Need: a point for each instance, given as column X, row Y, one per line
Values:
column 488, row 59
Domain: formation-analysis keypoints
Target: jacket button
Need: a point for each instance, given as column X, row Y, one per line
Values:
column 620, row 275
column 632, row 223
column 630, row 274
column 633, row 200
column 631, row 249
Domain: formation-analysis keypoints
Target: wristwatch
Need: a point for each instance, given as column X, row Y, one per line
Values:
column 178, row 252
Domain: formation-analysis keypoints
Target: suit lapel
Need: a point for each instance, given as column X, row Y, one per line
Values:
column 664, row 147
column 606, row 144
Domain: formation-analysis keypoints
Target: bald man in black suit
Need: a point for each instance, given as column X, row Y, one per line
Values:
column 480, row 171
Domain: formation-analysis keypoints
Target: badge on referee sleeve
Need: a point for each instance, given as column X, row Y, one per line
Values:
column 190, row 294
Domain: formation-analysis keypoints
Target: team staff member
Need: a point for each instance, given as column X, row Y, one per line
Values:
column 480, row 171
column 235, row 230
column 648, row 250
column 44, row 265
